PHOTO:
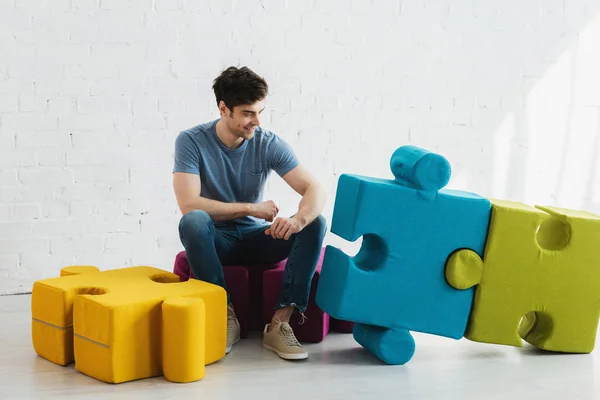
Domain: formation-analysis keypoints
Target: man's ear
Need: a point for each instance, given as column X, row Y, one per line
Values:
column 223, row 110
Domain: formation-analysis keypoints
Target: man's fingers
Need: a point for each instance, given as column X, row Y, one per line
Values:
column 288, row 232
column 269, row 230
column 282, row 228
column 274, row 227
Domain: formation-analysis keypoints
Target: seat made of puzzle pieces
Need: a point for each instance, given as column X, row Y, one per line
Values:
column 409, row 226
column 130, row 323
column 538, row 279
column 245, row 288
column 254, row 291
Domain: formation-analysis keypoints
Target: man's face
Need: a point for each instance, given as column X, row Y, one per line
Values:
column 244, row 119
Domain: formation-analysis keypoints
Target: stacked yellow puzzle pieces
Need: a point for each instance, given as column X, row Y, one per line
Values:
column 131, row 323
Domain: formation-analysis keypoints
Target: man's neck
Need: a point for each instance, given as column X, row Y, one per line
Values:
column 226, row 137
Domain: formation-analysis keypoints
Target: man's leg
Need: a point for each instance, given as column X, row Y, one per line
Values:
column 207, row 249
column 302, row 251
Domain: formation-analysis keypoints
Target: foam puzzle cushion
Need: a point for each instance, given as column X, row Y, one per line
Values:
column 238, row 283
column 184, row 325
column 253, row 288
column 409, row 227
column 256, row 293
column 245, row 287
column 112, row 320
column 540, row 263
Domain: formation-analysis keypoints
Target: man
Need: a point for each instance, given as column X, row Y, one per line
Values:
column 220, row 171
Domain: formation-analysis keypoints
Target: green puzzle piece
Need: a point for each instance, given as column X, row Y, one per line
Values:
column 539, row 279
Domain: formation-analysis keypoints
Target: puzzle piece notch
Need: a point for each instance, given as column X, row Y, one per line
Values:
column 539, row 279
column 554, row 233
column 78, row 270
column 110, row 322
column 409, row 226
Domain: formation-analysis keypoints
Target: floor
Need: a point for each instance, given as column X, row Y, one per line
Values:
column 337, row 368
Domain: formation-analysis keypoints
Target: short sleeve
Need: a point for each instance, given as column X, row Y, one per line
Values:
column 281, row 158
column 187, row 155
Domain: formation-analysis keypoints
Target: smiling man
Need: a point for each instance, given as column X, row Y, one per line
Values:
column 219, row 176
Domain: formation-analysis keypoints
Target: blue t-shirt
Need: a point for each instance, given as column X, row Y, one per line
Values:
column 232, row 175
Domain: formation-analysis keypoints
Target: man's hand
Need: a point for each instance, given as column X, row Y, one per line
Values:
column 266, row 210
column 283, row 228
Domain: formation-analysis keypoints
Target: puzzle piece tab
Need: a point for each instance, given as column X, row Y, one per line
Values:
column 409, row 227
column 111, row 324
column 540, row 264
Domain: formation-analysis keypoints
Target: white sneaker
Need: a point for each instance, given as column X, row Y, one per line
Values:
column 281, row 340
column 233, row 329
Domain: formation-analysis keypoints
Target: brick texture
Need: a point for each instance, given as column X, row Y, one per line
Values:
column 94, row 92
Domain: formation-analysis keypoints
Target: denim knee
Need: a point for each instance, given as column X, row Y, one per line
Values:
column 194, row 223
column 318, row 225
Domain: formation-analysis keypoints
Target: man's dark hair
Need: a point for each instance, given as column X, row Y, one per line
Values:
column 239, row 86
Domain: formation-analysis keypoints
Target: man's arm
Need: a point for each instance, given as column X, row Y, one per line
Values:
column 313, row 194
column 310, row 207
column 187, row 193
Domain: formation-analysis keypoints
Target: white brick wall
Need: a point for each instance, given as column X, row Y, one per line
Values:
column 93, row 93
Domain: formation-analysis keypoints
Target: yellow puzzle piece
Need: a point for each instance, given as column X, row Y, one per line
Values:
column 111, row 322
column 539, row 279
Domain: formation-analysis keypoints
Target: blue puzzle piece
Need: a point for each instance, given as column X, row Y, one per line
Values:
column 396, row 282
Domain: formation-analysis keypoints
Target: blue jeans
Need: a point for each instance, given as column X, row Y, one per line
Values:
column 208, row 248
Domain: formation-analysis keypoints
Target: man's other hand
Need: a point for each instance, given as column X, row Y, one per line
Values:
column 266, row 210
column 283, row 228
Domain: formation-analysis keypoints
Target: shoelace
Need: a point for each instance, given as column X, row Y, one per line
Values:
column 287, row 335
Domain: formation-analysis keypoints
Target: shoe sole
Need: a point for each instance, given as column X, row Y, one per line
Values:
column 228, row 349
column 286, row 356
